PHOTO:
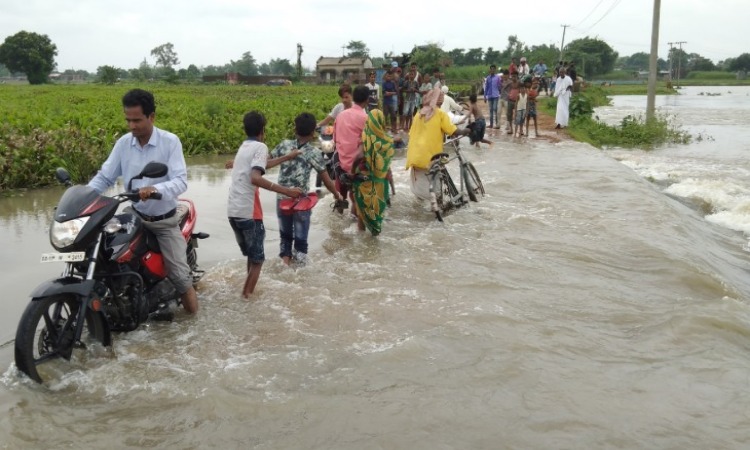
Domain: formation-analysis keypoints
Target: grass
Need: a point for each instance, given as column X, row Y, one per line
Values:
column 632, row 132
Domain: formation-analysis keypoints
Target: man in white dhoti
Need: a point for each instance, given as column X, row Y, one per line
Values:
column 563, row 91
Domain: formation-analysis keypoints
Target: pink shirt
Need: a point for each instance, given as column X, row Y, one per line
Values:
column 347, row 132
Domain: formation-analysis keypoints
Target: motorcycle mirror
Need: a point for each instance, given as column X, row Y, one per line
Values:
column 152, row 170
column 63, row 176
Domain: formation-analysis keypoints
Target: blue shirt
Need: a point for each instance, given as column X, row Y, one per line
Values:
column 390, row 86
column 492, row 86
column 128, row 158
column 540, row 69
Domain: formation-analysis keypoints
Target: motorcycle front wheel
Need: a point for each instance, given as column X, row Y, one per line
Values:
column 46, row 332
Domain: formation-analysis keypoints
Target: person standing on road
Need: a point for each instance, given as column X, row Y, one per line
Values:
column 493, row 84
column 373, row 101
column 563, row 91
column 143, row 144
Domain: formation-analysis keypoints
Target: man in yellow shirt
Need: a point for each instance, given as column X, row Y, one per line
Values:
column 426, row 135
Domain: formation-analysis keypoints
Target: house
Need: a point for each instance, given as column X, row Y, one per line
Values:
column 343, row 69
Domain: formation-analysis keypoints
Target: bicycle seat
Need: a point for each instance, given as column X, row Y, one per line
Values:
column 440, row 156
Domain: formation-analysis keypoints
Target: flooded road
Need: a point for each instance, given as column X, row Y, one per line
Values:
column 588, row 301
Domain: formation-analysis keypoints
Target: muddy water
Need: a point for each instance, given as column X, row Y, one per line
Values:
column 580, row 304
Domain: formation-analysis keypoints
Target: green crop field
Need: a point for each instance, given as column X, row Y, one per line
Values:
column 75, row 126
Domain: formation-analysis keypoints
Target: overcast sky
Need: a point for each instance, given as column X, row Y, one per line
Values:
column 93, row 33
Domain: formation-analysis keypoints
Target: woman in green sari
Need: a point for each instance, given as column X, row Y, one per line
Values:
column 371, row 193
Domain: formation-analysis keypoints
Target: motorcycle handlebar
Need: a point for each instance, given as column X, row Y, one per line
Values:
column 134, row 196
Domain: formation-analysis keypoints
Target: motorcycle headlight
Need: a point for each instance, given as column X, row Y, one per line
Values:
column 62, row 234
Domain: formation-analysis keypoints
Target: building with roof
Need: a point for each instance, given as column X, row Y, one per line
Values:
column 343, row 69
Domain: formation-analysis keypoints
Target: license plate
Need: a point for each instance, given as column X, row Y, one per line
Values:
column 63, row 257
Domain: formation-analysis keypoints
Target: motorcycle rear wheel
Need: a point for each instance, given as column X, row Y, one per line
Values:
column 47, row 332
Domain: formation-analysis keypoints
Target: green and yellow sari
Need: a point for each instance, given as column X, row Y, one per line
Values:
column 372, row 195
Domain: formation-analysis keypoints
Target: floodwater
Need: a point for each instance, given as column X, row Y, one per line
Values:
column 593, row 299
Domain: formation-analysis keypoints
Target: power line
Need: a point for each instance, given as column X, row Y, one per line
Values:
column 614, row 5
column 562, row 44
column 589, row 14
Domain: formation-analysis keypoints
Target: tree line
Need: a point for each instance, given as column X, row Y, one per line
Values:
column 33, row 54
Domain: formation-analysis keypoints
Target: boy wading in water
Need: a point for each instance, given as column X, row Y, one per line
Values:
column 521, row 110
column 478, row 125
column 531, row 107
column 243, row 207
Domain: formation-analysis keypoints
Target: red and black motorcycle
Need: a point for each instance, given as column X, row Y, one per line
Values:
column 114, row 277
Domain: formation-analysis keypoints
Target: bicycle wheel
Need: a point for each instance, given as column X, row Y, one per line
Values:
column 473, row 184
column 450, row 190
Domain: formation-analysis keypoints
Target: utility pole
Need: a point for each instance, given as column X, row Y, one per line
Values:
column 562, row 44
column 653, row 63
column 670, row 60
column 299, row 60
column 679, row 61
column 343, row 51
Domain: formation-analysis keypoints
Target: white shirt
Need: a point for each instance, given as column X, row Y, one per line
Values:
column 242, row 192
column 450, row 105
column 128, row 158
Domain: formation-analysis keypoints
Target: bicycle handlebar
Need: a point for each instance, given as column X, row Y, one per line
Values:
column 450, row 141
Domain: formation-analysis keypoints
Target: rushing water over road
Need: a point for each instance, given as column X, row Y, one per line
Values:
column 584, row 303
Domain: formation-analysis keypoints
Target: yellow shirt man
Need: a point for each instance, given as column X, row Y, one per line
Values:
column 426, row 139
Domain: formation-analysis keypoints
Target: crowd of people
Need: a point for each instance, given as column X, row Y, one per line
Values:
column 367, row 122
column 512, row 93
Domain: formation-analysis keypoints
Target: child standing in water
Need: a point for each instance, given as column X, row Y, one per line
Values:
column 521, row 110
column 531, row 107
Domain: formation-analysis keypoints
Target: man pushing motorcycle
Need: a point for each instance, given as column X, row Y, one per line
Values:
column 143, row 144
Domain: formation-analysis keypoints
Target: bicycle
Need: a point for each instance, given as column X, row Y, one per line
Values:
column 443, row 192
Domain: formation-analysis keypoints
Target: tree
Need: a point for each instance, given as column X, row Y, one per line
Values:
column 216, row 70
column 30, row 53
column 592, row 56
column 165, row 55
column 514, row 49
column 264, row 69
column 429, row 56
column 246, row 65
column 457, row 56
column 474, row 57
column 741, row 62
column 107, row 74
column 698, row 62
column 637, row 61
column 147, row 72
column 357, row 49
column 280, row 67
column 547, row 53
column 492, row 56
column 192, row 72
